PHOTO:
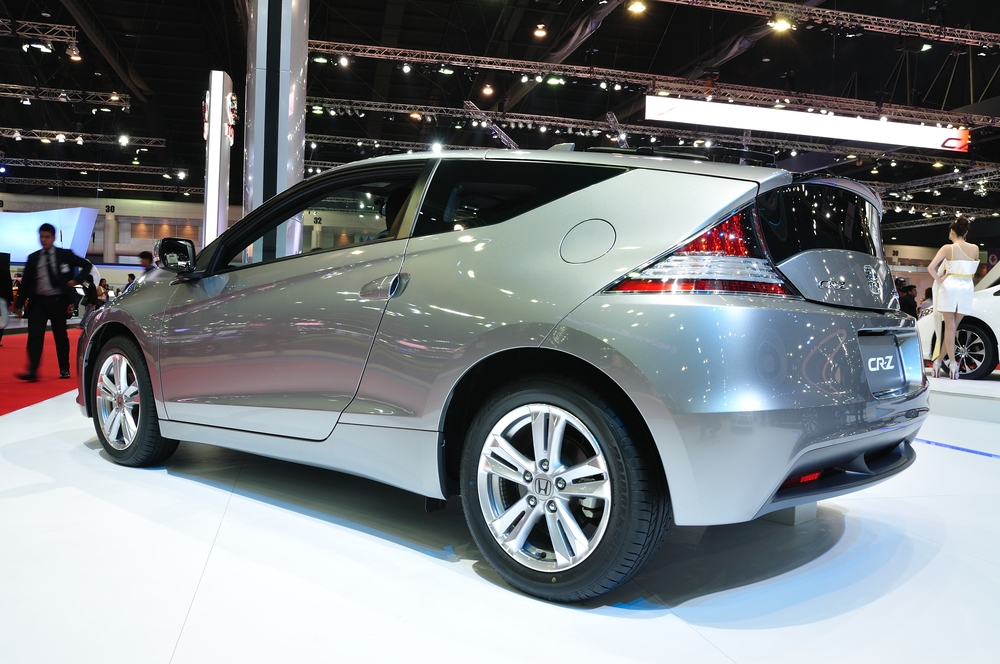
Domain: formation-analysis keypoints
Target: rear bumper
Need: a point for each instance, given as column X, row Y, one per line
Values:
column 741, row 393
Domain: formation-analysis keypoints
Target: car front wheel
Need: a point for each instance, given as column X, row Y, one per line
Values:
column 977, row 356
column 560, row 495
column 123, row 408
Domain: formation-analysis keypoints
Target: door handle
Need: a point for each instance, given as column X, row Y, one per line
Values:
column 385, row 288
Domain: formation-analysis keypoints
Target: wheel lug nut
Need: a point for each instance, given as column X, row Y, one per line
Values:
column 544, row 465
column 551, row 506
column 532, row 501
column 560, row 484
column 527, row 476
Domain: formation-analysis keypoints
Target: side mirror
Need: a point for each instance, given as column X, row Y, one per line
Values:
column 174, row 253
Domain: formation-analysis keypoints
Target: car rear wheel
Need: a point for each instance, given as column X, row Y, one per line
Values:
column 560, row 496
column 123, row 409
column 975, row 352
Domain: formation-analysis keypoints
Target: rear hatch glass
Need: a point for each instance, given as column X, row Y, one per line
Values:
column 825, row 239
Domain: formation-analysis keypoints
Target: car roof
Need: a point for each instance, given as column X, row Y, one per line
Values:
column 768, row 178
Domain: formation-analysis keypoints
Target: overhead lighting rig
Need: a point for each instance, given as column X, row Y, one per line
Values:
column 114, row 186
column 63, row 95
column 663, row 85
column 47, row 136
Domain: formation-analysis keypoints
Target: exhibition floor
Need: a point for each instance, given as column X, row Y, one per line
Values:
column 228, row 557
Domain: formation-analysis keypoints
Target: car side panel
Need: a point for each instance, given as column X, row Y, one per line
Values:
column 473, row 293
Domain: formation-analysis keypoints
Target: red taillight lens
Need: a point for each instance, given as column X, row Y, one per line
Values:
column 802, row 479
column 726, row 258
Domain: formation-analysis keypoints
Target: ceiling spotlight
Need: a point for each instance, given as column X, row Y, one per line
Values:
column 79, row 140
column 73, row 52
column 955, row 170
column 604, row 85
column 925, row 47
column 181, row 175
column 415, row 116
column 123, row 140
column 618, row 86
column 435, row 147
column 936, row 193
column 852, row 156
column 488, row 90
column 874, row 170
column 524, row 78
column 3, row 169
column 539, row 78
column 312, row 146
column 168, row 176
column 61, row 138
column 343, row 61
column 45, row 140
column 780, row 23
column 186, row 193
column 26, row 101
column 892, row 163
column 17, row 135
column 708, row 143
column 105, row 109
column 320, row 60
column 794, row 153
column 406, row 68
column 540, row 30
column 446, row 70
column 637, row 7
column 543, row 129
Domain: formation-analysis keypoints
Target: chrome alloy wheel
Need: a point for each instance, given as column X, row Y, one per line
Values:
column 544, row 487
column 970, row 351
column 117, row 401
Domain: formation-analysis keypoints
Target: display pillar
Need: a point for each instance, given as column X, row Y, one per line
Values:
column 274, row 143
column 110, row 238
column 219, row 117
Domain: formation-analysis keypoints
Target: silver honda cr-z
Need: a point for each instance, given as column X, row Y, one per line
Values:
column 584, row 346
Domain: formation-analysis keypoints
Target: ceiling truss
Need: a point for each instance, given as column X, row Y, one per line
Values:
column 116, row 186
column 832, row 17
column 663, row 85
column 72, row 136
column 91, row 166
column 58, row 94
column 44, row 32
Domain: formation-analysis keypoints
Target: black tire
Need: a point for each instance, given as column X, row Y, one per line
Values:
column 637, row 510
column 146, row 447
column 976, row 351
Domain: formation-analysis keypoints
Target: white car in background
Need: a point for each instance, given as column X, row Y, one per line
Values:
column 976, row 340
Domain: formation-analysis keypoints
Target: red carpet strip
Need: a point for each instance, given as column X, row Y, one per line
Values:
column 16, row 394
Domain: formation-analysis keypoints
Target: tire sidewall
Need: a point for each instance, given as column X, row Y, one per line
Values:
column 603, row 558
column 990, row 361
column 148, row 429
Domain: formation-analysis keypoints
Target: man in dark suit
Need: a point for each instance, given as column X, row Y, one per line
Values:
column 6, row 291
column 48, row 284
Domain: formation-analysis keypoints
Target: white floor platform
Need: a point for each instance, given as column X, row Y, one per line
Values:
column 227, row 557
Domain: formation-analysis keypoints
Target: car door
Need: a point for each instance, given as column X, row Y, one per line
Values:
column 277, row 344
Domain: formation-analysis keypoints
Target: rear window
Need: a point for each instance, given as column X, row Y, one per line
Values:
column 810, row 216
column 466, row 194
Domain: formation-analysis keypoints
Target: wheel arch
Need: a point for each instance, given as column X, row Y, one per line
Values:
column 968, row 318
column 97, row 341
column 484, row 378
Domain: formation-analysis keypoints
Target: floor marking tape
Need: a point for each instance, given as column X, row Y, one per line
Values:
column 960, row 449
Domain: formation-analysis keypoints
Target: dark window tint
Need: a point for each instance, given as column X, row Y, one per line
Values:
column 803, row 217
column 465, row 194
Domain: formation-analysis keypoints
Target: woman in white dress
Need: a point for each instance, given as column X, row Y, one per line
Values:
column 953, row 288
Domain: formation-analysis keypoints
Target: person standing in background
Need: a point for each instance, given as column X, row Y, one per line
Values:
column 908, row 300
column 146, row 260
column 927, row 302
column 89, row 300
column 102, row 290
column 953, row 298
column 6, row 293
column 49, row 278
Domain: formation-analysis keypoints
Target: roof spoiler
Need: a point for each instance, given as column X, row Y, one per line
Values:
column 562, row 147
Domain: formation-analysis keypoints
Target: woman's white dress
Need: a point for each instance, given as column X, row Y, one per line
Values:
column 954, row 293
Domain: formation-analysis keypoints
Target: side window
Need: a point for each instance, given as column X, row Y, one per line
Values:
column 364, row 211
column 465, row 193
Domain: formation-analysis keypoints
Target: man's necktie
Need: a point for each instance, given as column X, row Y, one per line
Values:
column 50, row 265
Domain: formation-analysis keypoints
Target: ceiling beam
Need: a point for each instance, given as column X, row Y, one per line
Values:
column 62, row 95
column 665, row 85
column 937, row 215
column 833, row 17
column 43, row 32
column 93, row 166
column 973, row 175
column 99, row 186
column 72, row 136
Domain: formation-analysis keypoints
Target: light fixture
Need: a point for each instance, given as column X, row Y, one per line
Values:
column 83, row 172
column 618, row 86
column 435, row 147
column 123, row 140
column 415, row 116
column 45, row 140
column 406, row 68
column 343, row 61
column 539, row 78
column 874, row 170
column 168, row 176
column 73, row 52
column 181, row 175
column 79, row 140
column 312, row 146
column 925, row 47
column 892, row 163
column 794, row 153
column 446, row 70
column 543, row 129
column 637, row 7
column 3, row 169
column 780, row 23
column 26, row 101
column 488, row 90
column 186, row 193
column 320, row 60
column 61, row 138
column 524, row 78
column 17, row 135
column 105, row 109
column 540, row 30
column 852, row 156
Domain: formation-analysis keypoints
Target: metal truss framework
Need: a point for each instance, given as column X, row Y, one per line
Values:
column 104, row 139
column 322, row 165
column 90, row 166
column 974, row 176
column 596, row 127
column 499, row 134
column 117, row 186
column 45, row 32
column 832, row 17
column 937, row 215
column 388, row 145
column 57, row 94
column 665, row 85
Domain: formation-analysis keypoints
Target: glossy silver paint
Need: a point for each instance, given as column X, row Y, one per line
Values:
column 321, row 359
column 842, row 278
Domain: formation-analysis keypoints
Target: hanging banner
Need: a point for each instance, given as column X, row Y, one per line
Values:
column 802, row 123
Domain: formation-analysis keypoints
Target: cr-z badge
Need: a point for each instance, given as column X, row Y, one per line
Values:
column 874, row 283
column 834, row 284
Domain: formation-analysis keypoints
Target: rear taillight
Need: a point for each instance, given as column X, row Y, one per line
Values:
column 727, row 258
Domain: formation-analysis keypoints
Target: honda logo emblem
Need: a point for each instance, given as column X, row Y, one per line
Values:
column 543, row 487
column 874, row 283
